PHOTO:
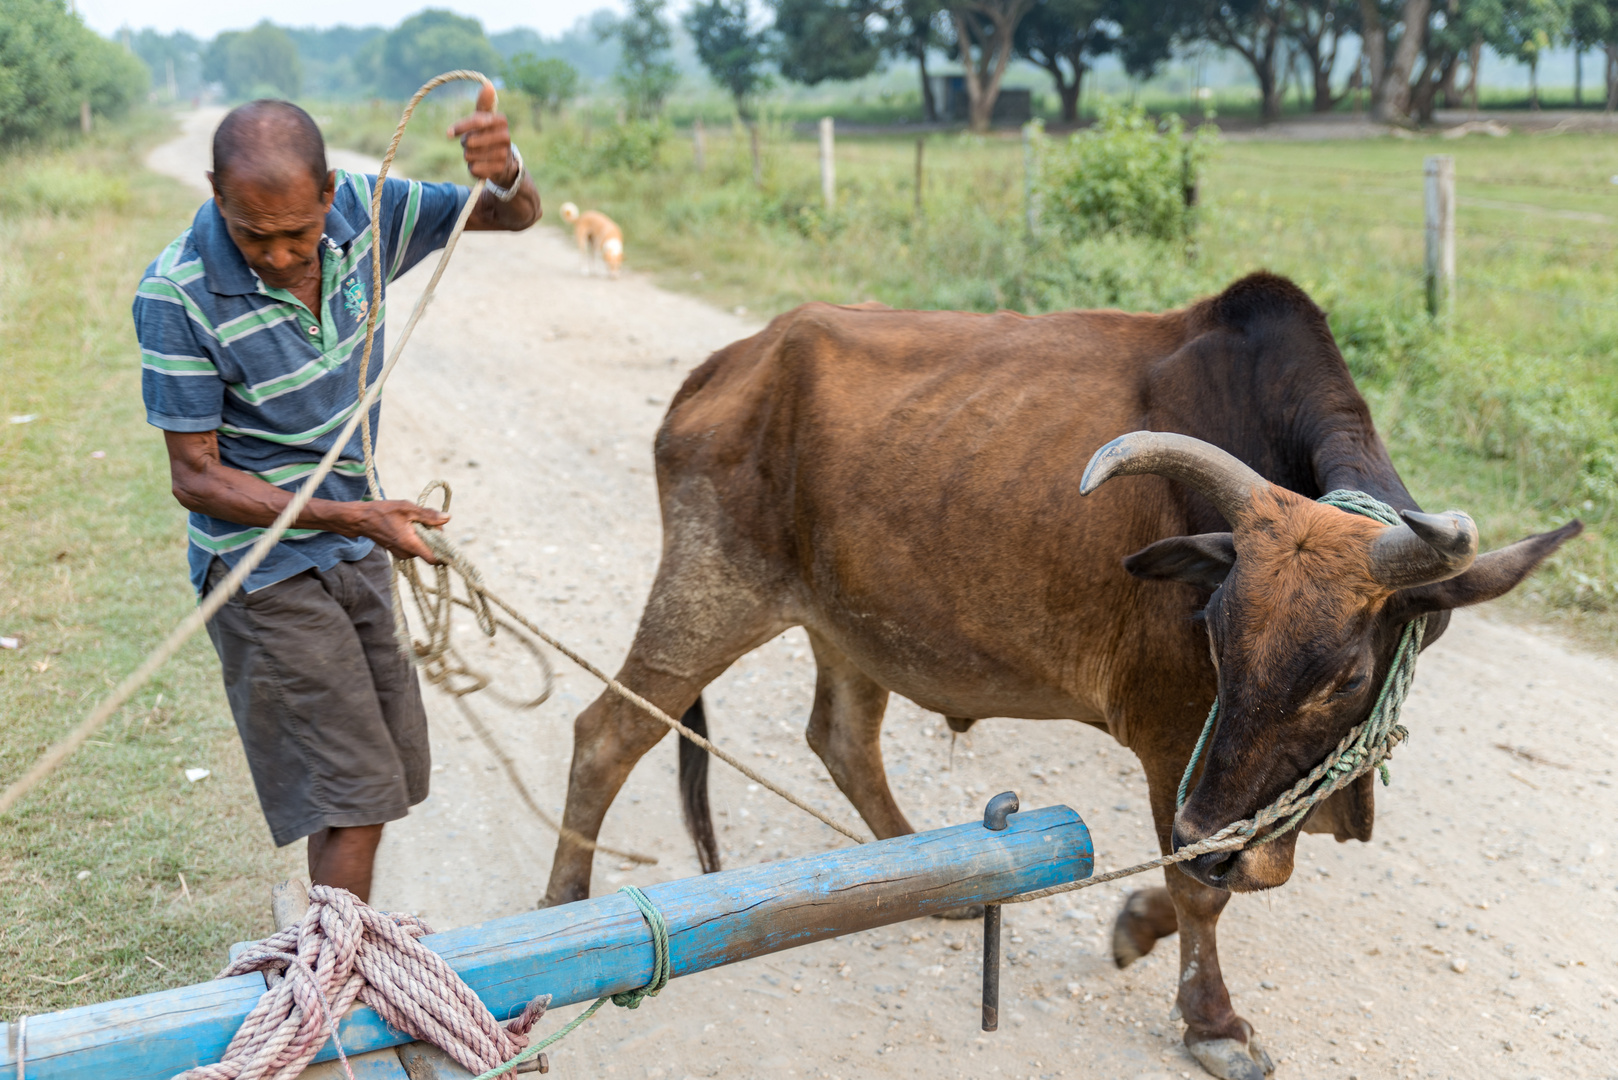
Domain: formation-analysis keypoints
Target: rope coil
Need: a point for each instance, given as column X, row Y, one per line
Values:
column 345, row 951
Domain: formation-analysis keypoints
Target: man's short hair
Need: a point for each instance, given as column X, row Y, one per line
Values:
column 269, row 133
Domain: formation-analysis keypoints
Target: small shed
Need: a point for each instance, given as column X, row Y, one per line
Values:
column 1014, row 107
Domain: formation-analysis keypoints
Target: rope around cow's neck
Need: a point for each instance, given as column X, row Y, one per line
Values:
column 1368, row 746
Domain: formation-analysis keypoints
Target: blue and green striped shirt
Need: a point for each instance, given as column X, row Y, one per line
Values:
column 221, row 351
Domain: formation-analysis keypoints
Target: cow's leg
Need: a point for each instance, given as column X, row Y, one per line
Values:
column 845, row 729
column 696, row 624
column 1217, row 1037
column 1147, row 916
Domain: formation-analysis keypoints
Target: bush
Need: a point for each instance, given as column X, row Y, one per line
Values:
column 1107, row 271
column 1123, row 176
column 50, row 62
column 633, row 146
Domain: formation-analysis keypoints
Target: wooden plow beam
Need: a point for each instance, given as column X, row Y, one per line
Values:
column 578, row 952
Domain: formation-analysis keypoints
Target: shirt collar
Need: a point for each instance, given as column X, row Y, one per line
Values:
column 224, row 269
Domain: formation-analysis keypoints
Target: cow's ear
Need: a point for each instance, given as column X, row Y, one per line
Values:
column 1201, row 560
column 1347, row 813
column 1492, row 576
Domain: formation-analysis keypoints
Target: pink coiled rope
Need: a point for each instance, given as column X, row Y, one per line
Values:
column 345, row 950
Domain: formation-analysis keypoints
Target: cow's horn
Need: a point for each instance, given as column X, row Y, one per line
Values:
column 1426, row 548
column 1222, row 479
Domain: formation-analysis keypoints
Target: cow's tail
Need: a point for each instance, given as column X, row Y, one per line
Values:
column 694, row 789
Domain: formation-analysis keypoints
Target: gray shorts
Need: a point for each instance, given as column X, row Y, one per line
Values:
column 328, row 709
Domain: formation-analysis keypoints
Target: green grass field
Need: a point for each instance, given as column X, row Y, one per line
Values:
column 1508, row 408
column 92, row 574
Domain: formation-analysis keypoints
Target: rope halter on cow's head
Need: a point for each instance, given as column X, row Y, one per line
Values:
column 1304, row 577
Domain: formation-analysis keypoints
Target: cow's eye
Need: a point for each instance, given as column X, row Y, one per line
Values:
column 1349, row 688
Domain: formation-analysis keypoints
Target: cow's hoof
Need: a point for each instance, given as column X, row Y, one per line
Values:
column 1232, row 1060
column 1133, row 935
column 970, row 911
column 1125, row 949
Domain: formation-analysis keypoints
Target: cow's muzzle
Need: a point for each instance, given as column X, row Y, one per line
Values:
column 1243, row 870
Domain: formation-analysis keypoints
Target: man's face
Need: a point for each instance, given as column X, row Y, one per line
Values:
column 276, row 222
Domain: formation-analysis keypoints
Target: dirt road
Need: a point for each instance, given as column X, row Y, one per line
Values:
column 1477, row 936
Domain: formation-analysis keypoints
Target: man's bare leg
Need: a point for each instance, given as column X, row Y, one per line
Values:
column 344, row 858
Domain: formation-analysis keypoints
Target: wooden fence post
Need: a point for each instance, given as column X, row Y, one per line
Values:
column 921, row 146
column 758, row 159
column 85, row 122
column 828, row 164
column 1030, row 131
column 1439, row 174
column 697, row 147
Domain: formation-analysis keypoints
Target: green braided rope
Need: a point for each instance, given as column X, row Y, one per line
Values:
column 629, row 999
column 1373, row 740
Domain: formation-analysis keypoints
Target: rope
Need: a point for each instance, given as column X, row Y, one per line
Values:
column 345, row 951
column 440, row 663
column 210, row 605
column 1367, row 746
column 629, row 999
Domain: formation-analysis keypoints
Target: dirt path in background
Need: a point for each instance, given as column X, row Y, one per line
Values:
column 536, row 393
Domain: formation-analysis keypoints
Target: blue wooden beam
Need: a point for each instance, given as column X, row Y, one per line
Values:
column 578, row 952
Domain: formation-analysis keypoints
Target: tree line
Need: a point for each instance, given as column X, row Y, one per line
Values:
column 1407, row 57
column 1412, row 55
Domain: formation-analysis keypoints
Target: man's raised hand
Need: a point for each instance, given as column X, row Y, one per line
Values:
column 486, row 141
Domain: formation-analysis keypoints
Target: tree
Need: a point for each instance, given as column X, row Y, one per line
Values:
column 1254, row 29
column 1453, row 32
column 1403, row 25
column 178, row 55
column 817, row 40
column 260, row 62
column 1593, row 24
column 645, row 73
column 426, row 44
column 1065, row 36
column 912, row 34
column 50, row 63
column 1316, row 28
column 728, row 46
column 984, row 32
column 1525, row 30
column 548, row 84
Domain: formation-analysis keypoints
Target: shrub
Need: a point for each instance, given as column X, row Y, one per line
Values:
column 1125, row 175
column 634, row 146
column 50, row 62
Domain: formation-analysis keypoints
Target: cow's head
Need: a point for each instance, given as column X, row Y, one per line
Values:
column 1307, row 608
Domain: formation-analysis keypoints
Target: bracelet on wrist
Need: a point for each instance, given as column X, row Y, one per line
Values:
column 505, row 194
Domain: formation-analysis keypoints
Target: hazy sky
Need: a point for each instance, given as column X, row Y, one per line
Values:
column 206, row 19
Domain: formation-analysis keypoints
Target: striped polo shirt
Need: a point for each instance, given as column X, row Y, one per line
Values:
column 221, row 351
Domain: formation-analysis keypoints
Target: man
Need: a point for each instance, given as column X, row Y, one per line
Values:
column 251, row 327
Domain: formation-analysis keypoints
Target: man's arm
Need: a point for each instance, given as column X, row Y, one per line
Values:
column 202, row 484
column 486, row 144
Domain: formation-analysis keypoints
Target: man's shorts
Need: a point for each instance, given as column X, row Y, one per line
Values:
column 328, row 709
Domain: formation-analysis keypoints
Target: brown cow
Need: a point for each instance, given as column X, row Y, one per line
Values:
column 907, row 487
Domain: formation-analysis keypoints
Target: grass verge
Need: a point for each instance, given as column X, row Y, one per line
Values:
column 92, row 574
